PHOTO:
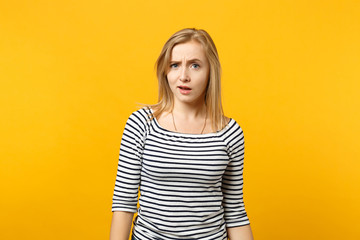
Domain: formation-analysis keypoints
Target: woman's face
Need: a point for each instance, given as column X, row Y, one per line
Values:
column 188, row 73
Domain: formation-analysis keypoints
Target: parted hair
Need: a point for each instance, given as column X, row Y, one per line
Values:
column 213, row 90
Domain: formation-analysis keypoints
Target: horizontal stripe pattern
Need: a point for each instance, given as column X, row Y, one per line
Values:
column 190, row 184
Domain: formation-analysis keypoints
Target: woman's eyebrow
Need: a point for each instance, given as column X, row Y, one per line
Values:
column 194, row 60
column 190, row 60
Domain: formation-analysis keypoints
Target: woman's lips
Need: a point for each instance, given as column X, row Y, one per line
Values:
column 184, row 90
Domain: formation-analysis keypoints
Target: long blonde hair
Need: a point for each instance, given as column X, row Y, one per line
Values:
column 213, row 91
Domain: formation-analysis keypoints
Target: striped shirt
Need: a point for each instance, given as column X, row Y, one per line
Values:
column 191, row 185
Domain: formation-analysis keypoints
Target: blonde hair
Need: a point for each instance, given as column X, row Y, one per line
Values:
column 213, row 91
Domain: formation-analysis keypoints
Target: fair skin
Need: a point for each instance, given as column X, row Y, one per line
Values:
column 121, row 225
column 240, row 233
column 188, row 68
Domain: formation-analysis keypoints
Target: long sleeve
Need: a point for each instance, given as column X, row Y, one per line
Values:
column 232, row 183
column 127, row 181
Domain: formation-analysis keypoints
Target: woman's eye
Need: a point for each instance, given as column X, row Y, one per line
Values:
column 195, row 65
column 174, row 65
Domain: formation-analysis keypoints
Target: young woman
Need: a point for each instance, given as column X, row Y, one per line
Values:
column 183, row 153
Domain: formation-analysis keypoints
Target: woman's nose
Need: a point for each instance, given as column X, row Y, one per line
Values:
column 184, row 76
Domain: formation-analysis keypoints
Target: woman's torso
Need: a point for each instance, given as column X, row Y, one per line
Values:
column 180, row 185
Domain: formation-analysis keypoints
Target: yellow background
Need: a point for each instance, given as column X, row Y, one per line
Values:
column 72, row 72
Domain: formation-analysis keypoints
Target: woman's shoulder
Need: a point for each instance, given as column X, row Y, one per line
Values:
column 227, row 120
column 141, row 112
column 232, row 125
column 140, row 116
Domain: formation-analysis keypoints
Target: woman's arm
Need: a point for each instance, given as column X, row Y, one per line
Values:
column 125, row 195
column 121, row 225
column 240, row 233
column 237, row 221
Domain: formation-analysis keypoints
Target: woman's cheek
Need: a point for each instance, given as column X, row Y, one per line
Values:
column 170, row 77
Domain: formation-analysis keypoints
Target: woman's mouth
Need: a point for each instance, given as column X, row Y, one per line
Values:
column 184, row 90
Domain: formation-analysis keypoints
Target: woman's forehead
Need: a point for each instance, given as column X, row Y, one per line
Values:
column 188, row 50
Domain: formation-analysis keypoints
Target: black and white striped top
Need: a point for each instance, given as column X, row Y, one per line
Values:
column 191, row 185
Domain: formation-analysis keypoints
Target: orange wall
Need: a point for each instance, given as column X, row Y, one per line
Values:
column 71, row 73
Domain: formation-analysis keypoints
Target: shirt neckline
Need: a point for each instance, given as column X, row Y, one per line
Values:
column 188, row 134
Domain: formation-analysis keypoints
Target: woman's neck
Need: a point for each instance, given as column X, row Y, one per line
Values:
column 190, row 112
